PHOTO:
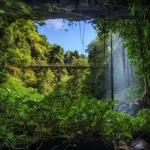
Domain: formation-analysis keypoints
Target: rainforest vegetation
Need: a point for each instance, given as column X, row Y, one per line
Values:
column 59, row 106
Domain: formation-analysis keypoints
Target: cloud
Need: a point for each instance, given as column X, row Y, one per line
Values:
column 56, row 24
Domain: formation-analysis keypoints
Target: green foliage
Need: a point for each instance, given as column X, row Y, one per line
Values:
column 56, row 54
column 30, row 78
column 3, row 77
column 16, row 111
column 141, row 8
column 84, row 117
column 21, row 44
column 27, row 116
column 135, row 34
column 14, row 87
column 74, row 85
column 64, row 110
column 141, row 123
column 46, row 81
column 19, row 8
column 98, row 58
column 118, row 126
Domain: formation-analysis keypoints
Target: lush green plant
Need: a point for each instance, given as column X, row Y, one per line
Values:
column 15, row 89
column 30, row 78
column 84, row 117
column 141, row 123
column 46, row 81
column 16, row 111
column 27, row 117
column 3, row 77
column 22, row 46
column 118, row 126
column 97, row 57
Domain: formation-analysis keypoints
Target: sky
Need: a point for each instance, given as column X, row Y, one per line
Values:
column 71, row 37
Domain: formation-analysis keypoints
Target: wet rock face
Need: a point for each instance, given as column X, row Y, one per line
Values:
column 76, row 144
column 67, row 9
column 124, row 105
column 91, row 144
column 128, row 107
column 140, row 144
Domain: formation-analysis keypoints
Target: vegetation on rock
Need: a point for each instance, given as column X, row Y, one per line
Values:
column 40, row 104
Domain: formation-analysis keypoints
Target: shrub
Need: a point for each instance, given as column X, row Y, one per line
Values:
column 141, row 123
column 17, row 111
column 29, row 78
column 3, row 77
column 118, row 126
column 85, row 116
column 27, row 117
column 46, row 81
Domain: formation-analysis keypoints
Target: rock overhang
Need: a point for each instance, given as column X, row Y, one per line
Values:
column 65, row 9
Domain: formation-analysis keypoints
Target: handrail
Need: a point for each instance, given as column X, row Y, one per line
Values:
column 56, row 65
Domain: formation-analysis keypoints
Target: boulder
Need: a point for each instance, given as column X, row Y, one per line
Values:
column 140, row 144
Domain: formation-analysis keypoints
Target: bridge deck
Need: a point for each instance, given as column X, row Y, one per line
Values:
column 55, row 66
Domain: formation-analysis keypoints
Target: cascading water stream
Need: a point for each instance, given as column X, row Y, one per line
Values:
column 124, row 79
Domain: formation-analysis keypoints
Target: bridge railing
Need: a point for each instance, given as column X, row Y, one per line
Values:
column 56, row 65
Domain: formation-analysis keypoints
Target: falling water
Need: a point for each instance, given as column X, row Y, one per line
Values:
column 124, row 79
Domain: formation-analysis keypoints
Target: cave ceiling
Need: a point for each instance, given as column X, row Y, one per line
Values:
column 65, row 9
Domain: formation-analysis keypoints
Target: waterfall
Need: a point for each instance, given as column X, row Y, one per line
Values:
column 124, row 79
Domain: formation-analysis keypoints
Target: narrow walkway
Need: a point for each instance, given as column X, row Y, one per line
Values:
column 54, row 65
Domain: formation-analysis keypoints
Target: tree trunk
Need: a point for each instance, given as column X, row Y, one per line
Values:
column 112, row 70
